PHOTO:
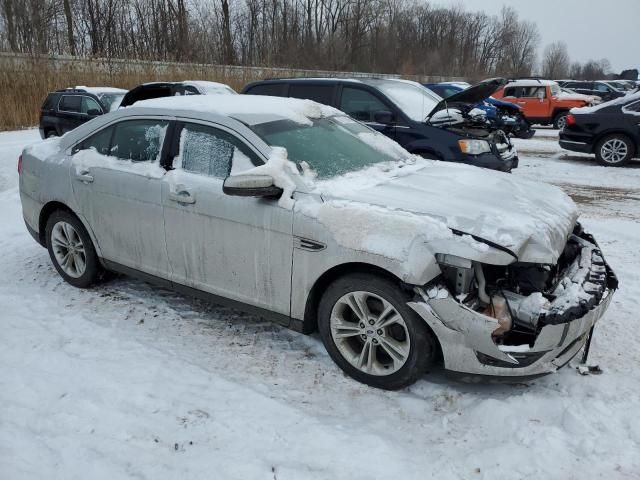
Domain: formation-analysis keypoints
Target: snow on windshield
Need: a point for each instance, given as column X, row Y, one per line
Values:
column 413, row 99
column 331, row 146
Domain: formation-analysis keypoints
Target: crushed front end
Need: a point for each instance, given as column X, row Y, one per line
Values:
column 521, row 319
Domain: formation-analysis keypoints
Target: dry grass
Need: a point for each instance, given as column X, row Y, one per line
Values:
column 25, row 81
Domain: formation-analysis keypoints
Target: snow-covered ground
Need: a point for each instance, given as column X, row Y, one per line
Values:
column 130, row 381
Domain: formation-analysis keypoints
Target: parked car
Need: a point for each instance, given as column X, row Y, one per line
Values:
column 604, row 90
column 147, row 91
column 610, row 130
column 410, row 114
column 295, row 211
column 624, row 85
column 541, row 101
column 503, row 115
column 63, row 110
column 569, row 94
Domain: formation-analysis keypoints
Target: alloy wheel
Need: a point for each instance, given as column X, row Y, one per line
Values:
column 614, row 150
column 68, row 249
column 370, row 333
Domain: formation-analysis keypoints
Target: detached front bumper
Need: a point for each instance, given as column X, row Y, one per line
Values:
column 468, row 346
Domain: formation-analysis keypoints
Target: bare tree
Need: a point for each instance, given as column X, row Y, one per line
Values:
column 555, row 61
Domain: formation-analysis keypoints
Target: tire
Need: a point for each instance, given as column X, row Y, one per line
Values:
column 50, row 134
column 615, row 150
column 67, row 238
column 402, row 332
column 560, row 120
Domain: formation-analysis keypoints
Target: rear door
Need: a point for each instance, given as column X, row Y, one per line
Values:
column 239, row 248
column 70, row 113
column 117, row 182
column 366, row 106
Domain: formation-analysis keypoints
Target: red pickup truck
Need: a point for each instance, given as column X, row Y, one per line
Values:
column 542, row 101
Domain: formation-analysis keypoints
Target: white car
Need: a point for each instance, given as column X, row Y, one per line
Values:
column 294, row 210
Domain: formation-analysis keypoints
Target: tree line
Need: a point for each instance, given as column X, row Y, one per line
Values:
column 410, row 37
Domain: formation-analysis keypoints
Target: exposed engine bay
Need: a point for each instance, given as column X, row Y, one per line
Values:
column 525, row 297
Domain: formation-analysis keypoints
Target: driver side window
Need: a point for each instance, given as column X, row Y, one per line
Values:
column 360, row 104
column 212, row 152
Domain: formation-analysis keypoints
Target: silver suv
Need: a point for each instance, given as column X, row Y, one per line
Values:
column 293, row 210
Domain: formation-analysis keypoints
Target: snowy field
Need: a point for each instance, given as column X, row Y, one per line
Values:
column 131, row 381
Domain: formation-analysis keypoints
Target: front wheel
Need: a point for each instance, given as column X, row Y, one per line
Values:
column 71, row 250
column 615, row 150
column 371, row 333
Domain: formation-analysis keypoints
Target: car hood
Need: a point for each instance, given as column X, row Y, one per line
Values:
column 531, row 220
column 471, row 95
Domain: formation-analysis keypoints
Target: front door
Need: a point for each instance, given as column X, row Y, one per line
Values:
column 236, row 247
column 366, row 107
column 117, row 183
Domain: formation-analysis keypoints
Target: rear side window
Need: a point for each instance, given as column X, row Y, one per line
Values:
column 270, row 89
column 317, row 93
column 360, row 104
column 70, row 103
column 209, row 151
column 138, row 140
column 633, row 107
column 533, row 92
column 510, row 92
column 51, row 101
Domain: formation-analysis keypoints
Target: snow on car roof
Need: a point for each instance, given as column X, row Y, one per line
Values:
column 632, row 97
column 210, row 87
column 96, row 90
column 252, row 108
column 531, row 83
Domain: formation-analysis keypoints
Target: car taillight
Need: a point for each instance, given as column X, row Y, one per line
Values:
column 20, row 165
column 570, row 120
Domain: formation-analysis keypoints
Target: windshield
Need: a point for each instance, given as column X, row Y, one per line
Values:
column 331, row 146
column 111, row 100
column 415, row 101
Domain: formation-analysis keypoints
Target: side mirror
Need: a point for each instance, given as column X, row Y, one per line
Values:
column 94, row 112
column 251, row 186
column 384, row 117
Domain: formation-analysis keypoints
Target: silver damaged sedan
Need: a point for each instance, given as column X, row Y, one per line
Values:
column 296, row 212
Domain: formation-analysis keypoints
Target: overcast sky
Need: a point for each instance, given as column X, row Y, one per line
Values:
column 591, row 29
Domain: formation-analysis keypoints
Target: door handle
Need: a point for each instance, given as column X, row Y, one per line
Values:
column 182, row 196
column 84, row 177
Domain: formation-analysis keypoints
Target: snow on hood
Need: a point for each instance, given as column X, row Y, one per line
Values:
column 299, row 111
column 533, row 220
column 578, row 96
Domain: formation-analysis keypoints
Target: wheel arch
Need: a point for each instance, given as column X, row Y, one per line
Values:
column 53, row 206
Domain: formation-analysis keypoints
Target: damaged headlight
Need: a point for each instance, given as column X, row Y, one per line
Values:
column 474, row 147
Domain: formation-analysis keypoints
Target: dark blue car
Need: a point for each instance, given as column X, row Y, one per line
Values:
column 504, row 115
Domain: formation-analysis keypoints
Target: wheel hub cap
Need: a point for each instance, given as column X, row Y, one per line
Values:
column 370, row 333
column 68, row 249
column 614, row 151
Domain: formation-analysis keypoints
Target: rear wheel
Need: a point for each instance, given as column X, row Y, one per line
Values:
column 50, row 134
column 560, row 120
column 615, row 150
column 371, row 333
column 71, row 250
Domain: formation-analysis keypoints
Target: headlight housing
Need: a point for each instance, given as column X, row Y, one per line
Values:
column 474, row 147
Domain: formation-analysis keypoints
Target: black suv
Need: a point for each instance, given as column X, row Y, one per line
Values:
column 423, row 123
column 610, row 130
column 64, row 110
column 601, row 89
